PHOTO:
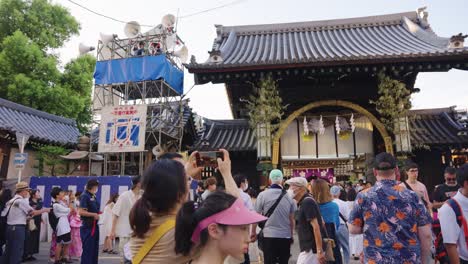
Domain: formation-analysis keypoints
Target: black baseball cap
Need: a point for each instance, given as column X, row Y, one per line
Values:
column 136, row 180
column 384, row 161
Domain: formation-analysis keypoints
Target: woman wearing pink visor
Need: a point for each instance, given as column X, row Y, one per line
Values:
column 220, row 227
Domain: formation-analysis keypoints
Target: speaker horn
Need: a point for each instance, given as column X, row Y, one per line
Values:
column 106, row 38
column 171, row 41
column 168, row 21
column 157, row 151
column 83, row 49
column 182, row 53
column 132, row 29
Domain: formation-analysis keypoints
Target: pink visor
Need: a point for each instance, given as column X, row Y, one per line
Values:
column 237, row 214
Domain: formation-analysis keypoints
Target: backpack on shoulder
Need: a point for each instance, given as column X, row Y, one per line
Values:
column 53, row 219
column 3, row 222
column 440, row 250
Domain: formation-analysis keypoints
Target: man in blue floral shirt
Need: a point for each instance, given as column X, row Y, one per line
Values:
column 396, row 226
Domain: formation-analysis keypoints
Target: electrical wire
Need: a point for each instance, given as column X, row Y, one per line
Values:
column 213, row 8
column 102, row 15
column 151, row 26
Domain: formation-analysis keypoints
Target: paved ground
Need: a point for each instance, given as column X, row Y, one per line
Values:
column 43, row 256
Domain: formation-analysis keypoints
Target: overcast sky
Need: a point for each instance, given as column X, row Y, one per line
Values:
column 447, row 18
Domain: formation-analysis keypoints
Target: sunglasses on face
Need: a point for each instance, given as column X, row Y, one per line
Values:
column 451, row 179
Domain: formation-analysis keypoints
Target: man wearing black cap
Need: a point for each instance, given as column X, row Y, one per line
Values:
column 453, row 231
column 121, row 213
column 398, row 226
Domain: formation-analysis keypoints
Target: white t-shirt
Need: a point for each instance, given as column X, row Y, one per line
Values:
column 451, row 231
column 122, row 209
column 61, row 212
column 344, row 209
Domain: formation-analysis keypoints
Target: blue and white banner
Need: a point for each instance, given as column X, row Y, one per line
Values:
column 108, row 185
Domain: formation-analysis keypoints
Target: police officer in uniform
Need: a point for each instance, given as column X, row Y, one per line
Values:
column 89, row 231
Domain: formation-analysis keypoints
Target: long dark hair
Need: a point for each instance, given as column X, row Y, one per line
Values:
column 113, row 198
column 164, row 184
column 188, row 219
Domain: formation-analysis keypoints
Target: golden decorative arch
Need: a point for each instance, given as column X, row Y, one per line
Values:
column 285, row 123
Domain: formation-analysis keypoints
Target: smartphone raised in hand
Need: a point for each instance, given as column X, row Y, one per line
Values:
column 208, row 158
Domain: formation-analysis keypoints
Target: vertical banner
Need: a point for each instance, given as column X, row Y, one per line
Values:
column 122, row 128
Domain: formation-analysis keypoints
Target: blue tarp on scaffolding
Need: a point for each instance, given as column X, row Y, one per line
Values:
column 137, row 69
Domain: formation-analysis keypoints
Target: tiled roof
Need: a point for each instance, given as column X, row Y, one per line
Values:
column 361, row 39
column 437, row 127
column 169, row 127
column 41, row 126
column 233, row 135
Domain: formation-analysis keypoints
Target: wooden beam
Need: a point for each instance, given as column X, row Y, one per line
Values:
column 316, row 146
column 336, row 143
column 298, row 140
column 354, row 143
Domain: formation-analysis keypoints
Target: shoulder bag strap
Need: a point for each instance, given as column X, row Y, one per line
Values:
column 272, row 208
column 344, row 220
column 408, row 186
column 411, row 189
column 459, row 216
column 11, row 205
column 152, row 240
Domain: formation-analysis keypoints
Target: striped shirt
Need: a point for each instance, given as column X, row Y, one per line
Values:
column 164, row 250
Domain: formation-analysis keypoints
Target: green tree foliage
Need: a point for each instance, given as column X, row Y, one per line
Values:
column 265, row 105
column 44, row 23
column 50, row 162
column 393, row 102
column 29, row 74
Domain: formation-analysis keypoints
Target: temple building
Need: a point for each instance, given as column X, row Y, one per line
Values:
column 327, row 77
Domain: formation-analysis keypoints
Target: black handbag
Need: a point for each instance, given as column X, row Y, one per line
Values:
column 270, row 211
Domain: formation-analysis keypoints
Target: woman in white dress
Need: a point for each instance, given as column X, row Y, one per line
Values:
column 355, row 241
column 107, row 222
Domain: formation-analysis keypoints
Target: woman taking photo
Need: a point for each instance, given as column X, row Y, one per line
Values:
column 330, row 213
column 219, row 228
column 165, row 190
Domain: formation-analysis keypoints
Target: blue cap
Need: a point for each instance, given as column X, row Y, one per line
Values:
column 276, row 175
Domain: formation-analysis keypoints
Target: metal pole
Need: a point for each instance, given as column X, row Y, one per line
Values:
column 19, row 175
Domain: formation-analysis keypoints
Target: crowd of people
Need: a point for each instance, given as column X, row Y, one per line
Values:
column 160, row 219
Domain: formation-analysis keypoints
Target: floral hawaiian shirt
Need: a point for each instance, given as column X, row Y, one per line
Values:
column 390, row 216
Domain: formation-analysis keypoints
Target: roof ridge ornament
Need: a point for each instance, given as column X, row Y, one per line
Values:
column 457, row 41
column 215, row 56
column 422, row 16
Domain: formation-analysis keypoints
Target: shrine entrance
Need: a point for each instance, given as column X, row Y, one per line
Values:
column 285, row 123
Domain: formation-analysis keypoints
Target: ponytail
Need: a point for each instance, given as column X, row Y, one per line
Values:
column 185, row 225
column 188, row 219
column 140, row 217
